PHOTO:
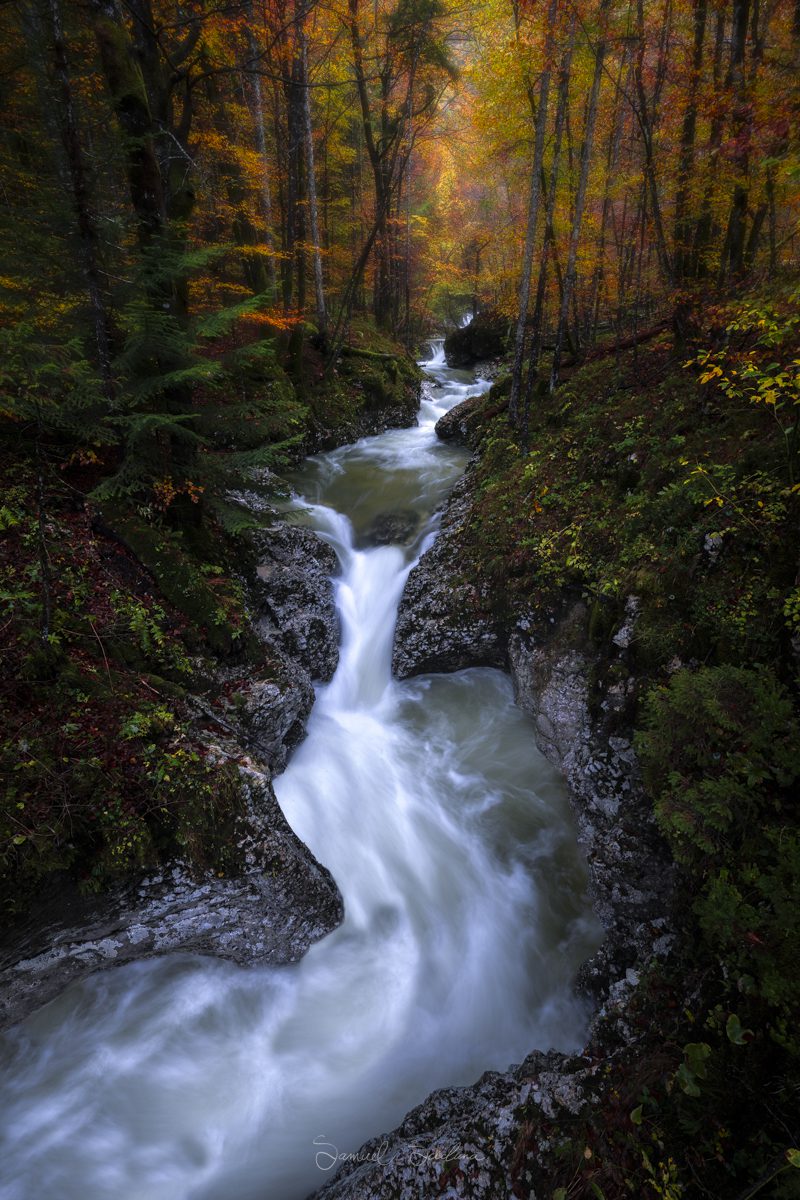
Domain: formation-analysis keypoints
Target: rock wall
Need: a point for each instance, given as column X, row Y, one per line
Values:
column 441, row 622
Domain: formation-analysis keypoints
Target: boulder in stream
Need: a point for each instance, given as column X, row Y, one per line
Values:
column 393, row 528
column 484, row 337
column 293, row 597
column 442, row 621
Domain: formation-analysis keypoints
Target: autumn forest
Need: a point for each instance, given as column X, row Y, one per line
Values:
column 277, row 278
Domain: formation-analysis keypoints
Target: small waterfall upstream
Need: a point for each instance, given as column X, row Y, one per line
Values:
column 449, row 835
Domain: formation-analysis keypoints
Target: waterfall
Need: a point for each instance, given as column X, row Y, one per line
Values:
column 449, row 835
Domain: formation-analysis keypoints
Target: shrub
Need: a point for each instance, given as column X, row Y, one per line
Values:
column 719, row 748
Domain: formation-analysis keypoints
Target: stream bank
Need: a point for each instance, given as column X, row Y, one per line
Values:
column 627, row 567
column 491, row 1140
column 236, row 881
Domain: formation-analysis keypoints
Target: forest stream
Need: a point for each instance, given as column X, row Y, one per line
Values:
column 466, row 915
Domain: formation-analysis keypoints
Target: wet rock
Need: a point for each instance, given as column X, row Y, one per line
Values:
column 295, row 610
column 484, row 337
column 393, row 528
column 464, row 1143
column 273, row 714
column 630, row 872
column 281, row 902
column 457, row 424
column 624, row 636
column 442, row 623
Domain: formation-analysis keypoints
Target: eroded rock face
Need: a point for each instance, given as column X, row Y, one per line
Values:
column 271, row 912
column 457, row 423
column 630, row 872
column 441, row 622
column 273, row 715
column 464, row 1143
column 293, row 594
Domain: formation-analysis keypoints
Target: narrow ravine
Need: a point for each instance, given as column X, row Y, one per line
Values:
column 466, row 916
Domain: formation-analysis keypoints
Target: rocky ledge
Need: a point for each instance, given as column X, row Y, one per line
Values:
column 279, row 899
column 281, row 902
column 497, row 1138
column 442, row 623
column 373, row 392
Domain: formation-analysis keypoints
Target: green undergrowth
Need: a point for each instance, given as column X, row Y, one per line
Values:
column 108, row 629
column 673, row 479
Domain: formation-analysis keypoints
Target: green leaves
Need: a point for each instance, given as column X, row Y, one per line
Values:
column 693, row 1068
column 735, row 1033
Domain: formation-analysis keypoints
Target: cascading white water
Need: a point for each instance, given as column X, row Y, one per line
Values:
column 188, row 1078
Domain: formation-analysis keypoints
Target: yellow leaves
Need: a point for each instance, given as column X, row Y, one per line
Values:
column 275, row 318
column 714, row 372
column 84, row 456
column 166, row 491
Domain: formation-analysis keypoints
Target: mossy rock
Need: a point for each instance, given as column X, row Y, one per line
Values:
column 486, row 336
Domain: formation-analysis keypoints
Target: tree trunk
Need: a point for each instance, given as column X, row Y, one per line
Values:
column 533, row 213
column 311, row 189
column 614, row 143
column 261, row 146
column 705, row 223
column 646, row 124
column 132, row 109
column 580, row 198
column 87, row 229
column 548, row 248
column 733, row 261
column 682, row 251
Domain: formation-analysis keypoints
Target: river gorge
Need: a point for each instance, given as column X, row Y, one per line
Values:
column 452, row 841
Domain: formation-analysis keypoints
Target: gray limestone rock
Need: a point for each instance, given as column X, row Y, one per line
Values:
column 457, row 423
column 273, row 714
column 630, row 872
column 441, row 622
column 463, row 1143
column 295, row 609
column 271, row 912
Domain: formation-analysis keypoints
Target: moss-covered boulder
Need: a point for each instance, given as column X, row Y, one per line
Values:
column 486, row 336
